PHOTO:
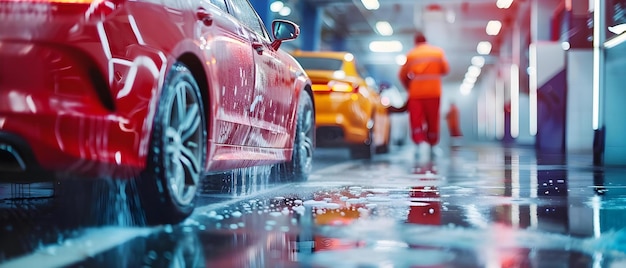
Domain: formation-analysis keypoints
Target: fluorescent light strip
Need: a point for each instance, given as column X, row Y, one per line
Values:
column 466, row 88
column 276, row 6
column 514, row 101
column 483, row 48
column 385, row 46
column 485, row 110
column 499, row 108
column 595, row 121
column 618, row 29
column 370, row 4
column 478, row 61
column 493, row 27
column 473, row 71
column 503, row 4
column 401, row 59
column 532, row 84
column 615, row 41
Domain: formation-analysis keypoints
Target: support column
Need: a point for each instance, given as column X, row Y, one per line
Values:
column 579, row 78
column 338, row 43
column 310, row 26
column 611, row 71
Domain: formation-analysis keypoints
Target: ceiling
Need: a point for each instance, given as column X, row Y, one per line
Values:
column 455, row 25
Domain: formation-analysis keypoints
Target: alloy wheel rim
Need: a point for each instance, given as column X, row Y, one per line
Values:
column 183, row 137
column 306, row 141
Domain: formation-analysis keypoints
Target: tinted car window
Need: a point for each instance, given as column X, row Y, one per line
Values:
column 246, row 14
column 320, row 63
column 220, row 3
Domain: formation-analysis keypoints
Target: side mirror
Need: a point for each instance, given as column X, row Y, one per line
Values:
column 283, row 30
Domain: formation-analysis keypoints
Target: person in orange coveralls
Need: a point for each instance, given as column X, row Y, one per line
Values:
column 454, row 125
column 421, row 76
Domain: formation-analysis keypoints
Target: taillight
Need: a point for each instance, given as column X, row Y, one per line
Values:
column 336, row 86
column 90, row 8
column 70, row 1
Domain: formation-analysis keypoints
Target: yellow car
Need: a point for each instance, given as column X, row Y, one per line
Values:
column 348, row 110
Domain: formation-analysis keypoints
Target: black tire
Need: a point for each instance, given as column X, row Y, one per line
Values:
column 168, row 186
column 384, row 148
column 400, row 142
column 365, row 150
column 301, row 164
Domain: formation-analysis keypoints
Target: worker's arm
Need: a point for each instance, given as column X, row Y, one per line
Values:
column 403, row 75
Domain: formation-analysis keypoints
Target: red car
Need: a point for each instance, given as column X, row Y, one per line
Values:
column 158, row 92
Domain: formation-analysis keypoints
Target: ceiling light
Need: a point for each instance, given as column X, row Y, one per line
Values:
column 276, row 6
column 469, row 79
column 504, row 3
column 473, row 71
column 384, row 28
column 285, row 11
column 493, row 27
column 348, row 57
column 618, row 29
column 466, row 88
column 385, row 46
column 401, row 59
column 450, row 16
column 478, row 61
column 370, row 4
column 483, row 48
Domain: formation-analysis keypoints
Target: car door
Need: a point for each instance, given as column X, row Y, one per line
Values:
column 229, row 57
column 271, row 106
column 275, row 84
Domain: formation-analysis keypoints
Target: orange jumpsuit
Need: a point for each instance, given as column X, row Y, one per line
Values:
column 454, row 122
column 421, row 76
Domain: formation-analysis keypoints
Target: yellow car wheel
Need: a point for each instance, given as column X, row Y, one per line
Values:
column 365, row 150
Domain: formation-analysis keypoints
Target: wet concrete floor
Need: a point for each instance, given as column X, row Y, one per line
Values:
column 475, row 206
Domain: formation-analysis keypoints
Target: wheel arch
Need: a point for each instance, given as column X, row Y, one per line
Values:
column 199, row 73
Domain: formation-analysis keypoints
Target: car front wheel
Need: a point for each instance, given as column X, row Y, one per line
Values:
column 301, row 164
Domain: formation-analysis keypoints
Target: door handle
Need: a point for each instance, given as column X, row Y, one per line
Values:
column 205, row 16
column 258, row 47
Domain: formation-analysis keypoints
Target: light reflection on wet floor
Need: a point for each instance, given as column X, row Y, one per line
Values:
column 480, row 206
column 483, row 207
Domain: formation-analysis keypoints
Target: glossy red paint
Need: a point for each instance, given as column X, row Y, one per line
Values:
column 80, row 82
